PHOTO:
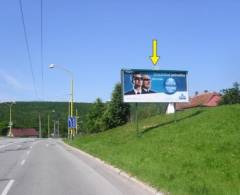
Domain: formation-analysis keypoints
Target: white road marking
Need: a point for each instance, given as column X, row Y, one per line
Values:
column 3, row 146
column 28, row 152
column 31, row 147
column 46, row 145
column 8, row 187
column 22, row 162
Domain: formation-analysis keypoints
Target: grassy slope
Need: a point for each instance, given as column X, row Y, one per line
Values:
column 200, row 154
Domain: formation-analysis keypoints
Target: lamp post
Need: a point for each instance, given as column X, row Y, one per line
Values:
column 10, row 119
column 49, row 123
column 71, row 89
column 10, row 104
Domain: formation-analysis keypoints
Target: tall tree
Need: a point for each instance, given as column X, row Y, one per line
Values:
column 3, row 128
column 117, row 112
column 231, row 95
column 95, row 117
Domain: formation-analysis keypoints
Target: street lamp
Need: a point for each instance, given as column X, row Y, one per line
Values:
column 10, row 104
column 49, row 123
column 71, row 88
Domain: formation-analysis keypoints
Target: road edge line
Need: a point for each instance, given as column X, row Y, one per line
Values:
column 7, row 187
column 23, row 162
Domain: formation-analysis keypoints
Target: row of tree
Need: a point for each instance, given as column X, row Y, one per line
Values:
column 26, row 115
column 231, row 95
column 94, row 117
column 103, row 116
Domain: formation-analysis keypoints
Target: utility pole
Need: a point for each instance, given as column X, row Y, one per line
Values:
column 48, row 126
column 69, row 115
column 73, row 129
column 40, row 126
column 53, row 111
column 10, row 121
column 10, row 134
column 54, row 128
column 58, row 128
column 76, row 121
column 70, row 130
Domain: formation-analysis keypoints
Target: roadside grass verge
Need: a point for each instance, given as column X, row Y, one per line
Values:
column 199, row 154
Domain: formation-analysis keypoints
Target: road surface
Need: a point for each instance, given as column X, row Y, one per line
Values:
column 30, row 166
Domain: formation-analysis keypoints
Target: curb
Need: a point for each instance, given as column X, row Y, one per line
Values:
column 117, row 170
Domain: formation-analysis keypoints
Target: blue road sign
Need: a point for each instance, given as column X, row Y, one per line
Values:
column 72, row 122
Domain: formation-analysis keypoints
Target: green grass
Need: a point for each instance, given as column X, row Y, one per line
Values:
column 199, row 154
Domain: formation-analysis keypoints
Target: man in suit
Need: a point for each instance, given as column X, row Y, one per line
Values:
column 137, row 82
column 146, row 87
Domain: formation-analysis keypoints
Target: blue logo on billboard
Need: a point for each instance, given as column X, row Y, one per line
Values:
column 182, row 97
column 170, row 86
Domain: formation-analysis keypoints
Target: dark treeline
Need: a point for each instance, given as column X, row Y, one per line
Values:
column 93, row 117
column 231, row 95
column 26, row 115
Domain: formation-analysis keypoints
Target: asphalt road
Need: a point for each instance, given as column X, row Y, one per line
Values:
column 31, row 166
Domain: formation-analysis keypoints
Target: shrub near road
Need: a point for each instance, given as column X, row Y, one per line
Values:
column 199, row 154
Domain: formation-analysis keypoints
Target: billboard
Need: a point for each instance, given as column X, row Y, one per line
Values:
column 154, row 85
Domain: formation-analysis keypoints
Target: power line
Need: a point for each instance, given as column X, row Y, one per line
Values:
column 28, row 49
column 42, row 69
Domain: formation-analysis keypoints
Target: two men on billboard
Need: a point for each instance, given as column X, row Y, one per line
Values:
column 141, row 84
column 154, row 85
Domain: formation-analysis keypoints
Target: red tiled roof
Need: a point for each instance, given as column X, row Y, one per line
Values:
column 24, row 132
column 205, row 99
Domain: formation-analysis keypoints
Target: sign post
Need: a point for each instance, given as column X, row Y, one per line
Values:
column 175, row 114
column 148, row 85
column 136, row 118
column 72, row 123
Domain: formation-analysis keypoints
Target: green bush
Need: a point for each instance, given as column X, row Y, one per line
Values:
column 105, row 116
column 231, row 95
column 95, row 117
column 117, row 112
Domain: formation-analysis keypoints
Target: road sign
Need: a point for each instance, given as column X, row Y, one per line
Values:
column 72, row 122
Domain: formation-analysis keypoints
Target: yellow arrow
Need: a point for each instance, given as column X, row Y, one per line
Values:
column 154, row 58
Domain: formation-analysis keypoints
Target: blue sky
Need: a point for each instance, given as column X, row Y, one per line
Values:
column 95, row 39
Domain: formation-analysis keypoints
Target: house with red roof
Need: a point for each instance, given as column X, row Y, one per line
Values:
column 30, row 132
column 207, row 99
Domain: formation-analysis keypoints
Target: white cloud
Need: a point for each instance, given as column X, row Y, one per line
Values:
column 11, row 81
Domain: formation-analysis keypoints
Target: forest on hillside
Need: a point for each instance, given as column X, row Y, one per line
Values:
column 26, row 115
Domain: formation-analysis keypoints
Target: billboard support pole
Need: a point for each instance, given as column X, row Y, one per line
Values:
column 175, row 115
column 136, row 118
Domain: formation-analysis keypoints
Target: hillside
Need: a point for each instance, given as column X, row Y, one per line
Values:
column 199, row 154
column 25, row 114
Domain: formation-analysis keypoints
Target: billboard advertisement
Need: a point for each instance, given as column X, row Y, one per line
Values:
column 154, row 85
